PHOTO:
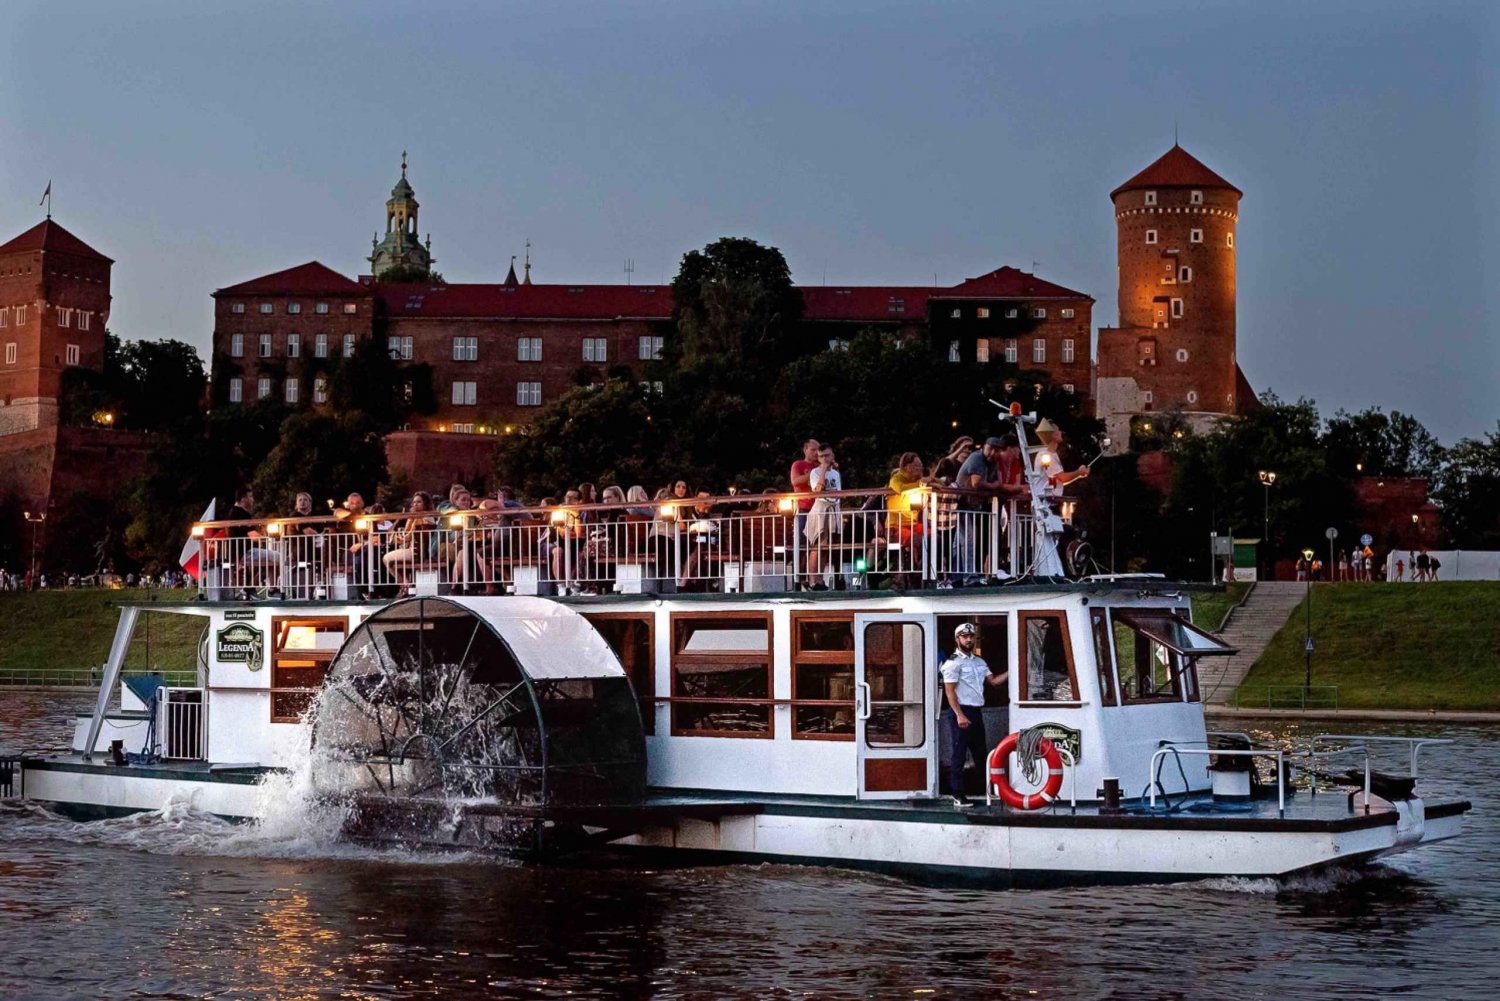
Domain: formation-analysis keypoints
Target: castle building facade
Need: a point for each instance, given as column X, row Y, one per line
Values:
column 499, row 352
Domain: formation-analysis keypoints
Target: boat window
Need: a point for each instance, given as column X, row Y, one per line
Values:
column 1158, row 652
column 1046, row 659
column 993, row 646
column 895, row 670
column 1103, row 656
column 631, row 638
column 302, row 651
column 721, row 675
column 823, row 675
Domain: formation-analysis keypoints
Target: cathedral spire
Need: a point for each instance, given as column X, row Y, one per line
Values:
column 401, row 250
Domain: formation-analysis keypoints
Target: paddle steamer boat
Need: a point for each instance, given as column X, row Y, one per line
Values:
column 703, row 707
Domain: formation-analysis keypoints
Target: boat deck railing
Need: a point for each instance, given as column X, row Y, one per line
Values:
column 739, row 543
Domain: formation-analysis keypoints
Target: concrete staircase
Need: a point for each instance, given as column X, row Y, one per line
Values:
column 1250, row 628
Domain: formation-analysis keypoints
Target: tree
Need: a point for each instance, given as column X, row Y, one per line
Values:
column 410, row 273
column 161, row 384
column 734, row 302
column 325, row 453
column 607, row 435
column 1468, row 489
column 1372, row 444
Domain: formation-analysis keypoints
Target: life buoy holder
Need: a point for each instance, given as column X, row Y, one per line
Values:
column 1000, row 781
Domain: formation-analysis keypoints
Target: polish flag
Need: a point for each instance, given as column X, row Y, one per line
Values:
column 193, row 549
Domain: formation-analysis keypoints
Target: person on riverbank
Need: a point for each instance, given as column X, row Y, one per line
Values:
column 964, row 676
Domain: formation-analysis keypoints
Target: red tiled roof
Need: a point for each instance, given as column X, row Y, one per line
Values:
column 311, row 278
column 50, row 236
column 1008, row 283
column 1176, row 168
column 850, row 303
column 528, row 302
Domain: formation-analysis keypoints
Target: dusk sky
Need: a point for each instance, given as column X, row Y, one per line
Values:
column 200, row 145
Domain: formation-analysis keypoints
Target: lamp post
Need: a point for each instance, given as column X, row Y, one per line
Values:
column 1307, row 643
column 1267, row 480
column 36, row 527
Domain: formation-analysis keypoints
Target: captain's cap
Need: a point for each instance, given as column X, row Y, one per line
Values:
column 966, row 629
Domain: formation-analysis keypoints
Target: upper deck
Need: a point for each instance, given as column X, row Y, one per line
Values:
column 854, row 540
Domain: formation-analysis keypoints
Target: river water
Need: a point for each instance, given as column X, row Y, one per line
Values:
column 179, row 905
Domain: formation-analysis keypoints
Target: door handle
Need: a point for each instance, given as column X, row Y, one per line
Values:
column 861, row 700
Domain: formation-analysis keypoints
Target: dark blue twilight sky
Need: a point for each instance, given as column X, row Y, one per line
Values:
column 203, row 144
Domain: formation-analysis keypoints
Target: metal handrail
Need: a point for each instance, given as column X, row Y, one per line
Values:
column 1414, row 744
column 1278, row 755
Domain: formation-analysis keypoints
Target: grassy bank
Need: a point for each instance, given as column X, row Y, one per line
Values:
column 57, row 636
column 1393, row 646
column 1209, row 609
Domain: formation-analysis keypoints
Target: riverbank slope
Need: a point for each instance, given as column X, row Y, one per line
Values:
column 1391, row 646
column 56, row 637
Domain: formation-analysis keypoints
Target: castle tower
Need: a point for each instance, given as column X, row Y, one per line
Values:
column 1174, row 348
column 401, row 249
column 54, row 303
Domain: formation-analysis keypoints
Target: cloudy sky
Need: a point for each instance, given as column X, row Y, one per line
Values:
column 203, row 144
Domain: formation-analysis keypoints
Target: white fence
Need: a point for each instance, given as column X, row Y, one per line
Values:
column 180, row 724
column 780, row 542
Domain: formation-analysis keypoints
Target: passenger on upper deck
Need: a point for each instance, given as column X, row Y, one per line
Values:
column 255, row 558
column 1049, row 462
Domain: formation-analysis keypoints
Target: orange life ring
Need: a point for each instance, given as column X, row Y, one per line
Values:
column 1000, row 781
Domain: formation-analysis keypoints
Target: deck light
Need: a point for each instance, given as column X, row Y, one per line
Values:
column 508, row 429
column 273, row 528
column 1015, row 409
column 667, row 511
column 456, row 521
column 1146, row 426
column 559, row 515
column 1046, row 460
column 361, row 524
column 913, row 497
column 785, row 504
column 199, row 531
column 860, row 566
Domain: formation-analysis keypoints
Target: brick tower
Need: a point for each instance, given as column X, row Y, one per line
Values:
column 54, row 301
column 1174, row 349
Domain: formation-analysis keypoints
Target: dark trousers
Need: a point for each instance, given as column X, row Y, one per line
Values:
column 962, row 741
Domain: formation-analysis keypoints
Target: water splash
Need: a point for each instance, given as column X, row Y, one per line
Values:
column 1334, row 879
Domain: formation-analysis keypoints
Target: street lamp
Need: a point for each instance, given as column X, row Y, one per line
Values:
column 36, row 527
column 1267, row 480
column 1307, row 643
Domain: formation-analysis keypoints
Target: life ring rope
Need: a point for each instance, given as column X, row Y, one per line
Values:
column 999, row 779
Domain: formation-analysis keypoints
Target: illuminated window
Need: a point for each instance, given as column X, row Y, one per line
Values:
column 822, row 676
column 983, row 312
column 301, row 652
column 982, row 350
column 350, row 308
column 1067, row 314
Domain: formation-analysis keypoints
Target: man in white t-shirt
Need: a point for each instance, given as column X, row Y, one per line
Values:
column 823, row 518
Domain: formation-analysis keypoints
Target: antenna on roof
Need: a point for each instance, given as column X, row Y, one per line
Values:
column 629, row 269
column 1033, row 267
column 1174, row 133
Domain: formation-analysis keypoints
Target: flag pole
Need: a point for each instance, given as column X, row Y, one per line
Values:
column 47, row 199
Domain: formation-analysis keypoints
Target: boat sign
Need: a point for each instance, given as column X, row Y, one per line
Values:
column 240, row 644
column 1065, row 737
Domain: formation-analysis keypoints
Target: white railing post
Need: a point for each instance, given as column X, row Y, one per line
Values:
column 994, row 553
